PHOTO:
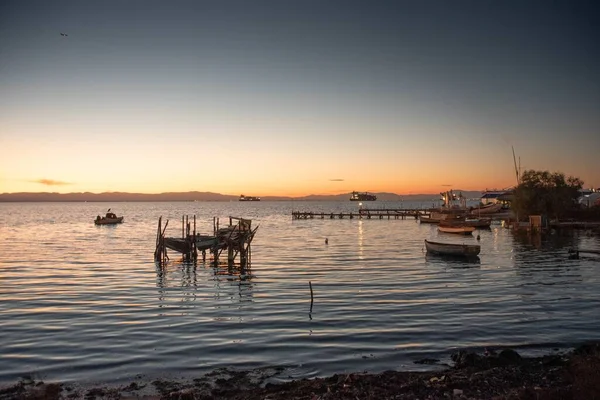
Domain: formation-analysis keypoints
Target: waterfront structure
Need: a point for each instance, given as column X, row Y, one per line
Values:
column 495, row 196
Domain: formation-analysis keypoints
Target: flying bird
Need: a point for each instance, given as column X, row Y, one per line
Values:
column 63, row 34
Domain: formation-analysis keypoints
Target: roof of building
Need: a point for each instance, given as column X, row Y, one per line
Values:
column 492, row 195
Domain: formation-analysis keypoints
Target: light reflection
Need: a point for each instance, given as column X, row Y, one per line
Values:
column 360, row 240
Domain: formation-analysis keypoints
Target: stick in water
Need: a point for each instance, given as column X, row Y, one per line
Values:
column 311, row 296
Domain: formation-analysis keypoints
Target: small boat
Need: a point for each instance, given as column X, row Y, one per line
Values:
column 462, row 230
column 428, row 220
column 487, row 209
column 478, row 222
column 108, row 219
column 362, row 196
column 451, row 249
column 249, row 198
column 467, row 221
column 436, row 217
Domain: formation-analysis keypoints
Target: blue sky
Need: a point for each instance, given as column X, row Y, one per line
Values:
column 280, row 97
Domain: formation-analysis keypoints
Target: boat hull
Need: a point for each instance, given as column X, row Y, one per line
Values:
column 108, row 221
column 478, row 222
column 489, row 209
column 436, row 217
column 451, row 249
column 428, row 220
column 459, row 230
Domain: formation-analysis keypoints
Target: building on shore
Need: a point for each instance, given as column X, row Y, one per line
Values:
column 495, row 196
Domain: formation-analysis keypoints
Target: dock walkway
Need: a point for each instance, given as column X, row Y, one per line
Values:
column 378, row 213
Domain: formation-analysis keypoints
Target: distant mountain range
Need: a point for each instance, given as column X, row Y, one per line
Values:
column 205, row 196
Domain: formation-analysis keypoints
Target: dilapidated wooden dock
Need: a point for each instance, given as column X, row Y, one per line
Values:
column 377, row 213
column 235, row 238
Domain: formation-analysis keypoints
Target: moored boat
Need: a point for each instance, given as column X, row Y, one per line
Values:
column 428, row 220
column 108, row 219
column 362, row 196
column 478, row 222
column 434, row 218
column 452, row 249
column 468, row 221
column 461, row 230
column 487, row 209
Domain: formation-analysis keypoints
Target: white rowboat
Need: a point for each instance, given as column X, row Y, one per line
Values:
column 451, row 249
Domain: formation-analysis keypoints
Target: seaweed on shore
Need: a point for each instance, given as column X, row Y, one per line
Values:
column 505, row 375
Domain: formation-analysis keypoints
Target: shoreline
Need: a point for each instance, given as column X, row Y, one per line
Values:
column 503, row 375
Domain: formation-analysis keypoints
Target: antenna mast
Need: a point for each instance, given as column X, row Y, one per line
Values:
column 516, row 168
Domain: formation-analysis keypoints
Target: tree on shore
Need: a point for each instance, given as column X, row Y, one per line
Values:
column 545, row 193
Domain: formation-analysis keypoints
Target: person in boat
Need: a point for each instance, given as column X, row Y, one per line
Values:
column 98, row 218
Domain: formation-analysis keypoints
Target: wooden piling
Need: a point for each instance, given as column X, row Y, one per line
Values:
column 311, row 296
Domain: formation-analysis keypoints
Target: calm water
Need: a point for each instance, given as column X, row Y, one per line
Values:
column 81, row 302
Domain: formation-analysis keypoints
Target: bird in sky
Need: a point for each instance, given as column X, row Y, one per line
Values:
column 63, row 34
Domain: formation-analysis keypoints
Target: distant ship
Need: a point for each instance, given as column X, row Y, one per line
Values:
column 362, row 196
column 249, row 198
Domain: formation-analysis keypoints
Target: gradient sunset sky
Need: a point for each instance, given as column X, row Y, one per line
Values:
column 295, row 97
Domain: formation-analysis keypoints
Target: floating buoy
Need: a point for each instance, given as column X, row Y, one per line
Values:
column 478, row 237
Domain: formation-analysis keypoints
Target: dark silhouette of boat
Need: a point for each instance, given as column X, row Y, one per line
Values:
column 249, row 198
column 109, row 219
column 362, row 196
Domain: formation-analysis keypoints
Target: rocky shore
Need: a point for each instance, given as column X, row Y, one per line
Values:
column 501, row 375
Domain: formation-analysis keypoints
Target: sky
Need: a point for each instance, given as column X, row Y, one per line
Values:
column 296, row 97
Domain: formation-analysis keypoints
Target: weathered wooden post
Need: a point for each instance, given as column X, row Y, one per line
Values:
column 194, row 241
column 157, row 255
column 311, row 296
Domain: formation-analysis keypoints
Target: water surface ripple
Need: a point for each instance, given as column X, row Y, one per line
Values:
column 82, row 302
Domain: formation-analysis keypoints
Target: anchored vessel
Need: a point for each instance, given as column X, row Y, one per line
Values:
column 460, row 229
column 249, row 198
column 451, row 249
column 362, row 196
column 109, row 219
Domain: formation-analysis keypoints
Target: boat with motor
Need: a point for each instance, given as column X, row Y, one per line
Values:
column 109, row 219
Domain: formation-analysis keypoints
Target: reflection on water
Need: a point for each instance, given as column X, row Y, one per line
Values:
column 231, row 281
column 549, row 265
column 360, row 240
column 453, row 261
column 234, row 281
column 553, row 241
column 91, row 302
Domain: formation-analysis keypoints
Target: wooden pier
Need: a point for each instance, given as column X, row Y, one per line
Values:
column 236, row 238
column 377, row 213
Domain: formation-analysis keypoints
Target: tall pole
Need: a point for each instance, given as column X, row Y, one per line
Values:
column 516, row 168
